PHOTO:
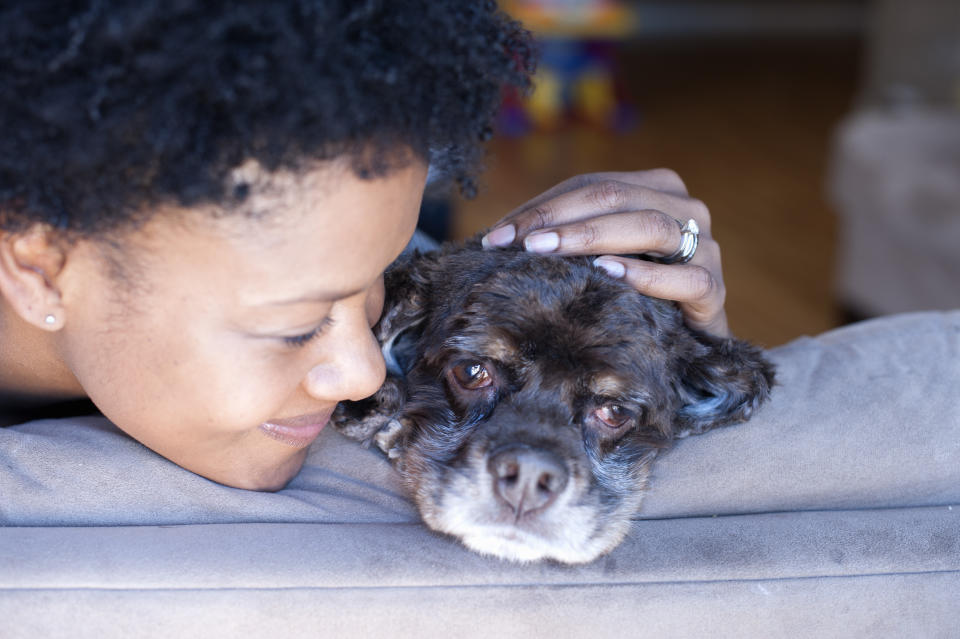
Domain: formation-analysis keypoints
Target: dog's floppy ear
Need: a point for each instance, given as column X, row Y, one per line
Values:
column 721, row 381
column 404, row 311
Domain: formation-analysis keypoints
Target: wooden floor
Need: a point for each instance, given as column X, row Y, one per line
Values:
column 748, row 127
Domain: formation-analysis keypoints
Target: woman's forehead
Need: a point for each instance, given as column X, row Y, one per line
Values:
column 326, row 225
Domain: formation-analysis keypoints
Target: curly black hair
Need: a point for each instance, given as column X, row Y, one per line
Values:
column 111, row 107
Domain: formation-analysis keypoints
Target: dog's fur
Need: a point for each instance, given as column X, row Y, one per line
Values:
column 531, row 463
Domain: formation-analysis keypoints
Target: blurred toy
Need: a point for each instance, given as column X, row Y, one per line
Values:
column 580, row 19
column 576, row 78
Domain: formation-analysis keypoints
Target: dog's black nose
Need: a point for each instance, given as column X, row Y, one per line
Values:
column 527, row 478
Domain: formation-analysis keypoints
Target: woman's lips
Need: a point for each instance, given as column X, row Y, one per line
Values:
column 297, row 431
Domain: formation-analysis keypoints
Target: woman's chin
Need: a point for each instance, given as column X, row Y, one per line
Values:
column 269, row 478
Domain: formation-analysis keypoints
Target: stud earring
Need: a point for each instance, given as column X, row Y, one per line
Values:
column 50, row 319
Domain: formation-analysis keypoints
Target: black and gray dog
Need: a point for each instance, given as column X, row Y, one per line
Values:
column 528, row 395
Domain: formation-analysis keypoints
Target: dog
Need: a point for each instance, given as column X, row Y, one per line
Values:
column 527, row 396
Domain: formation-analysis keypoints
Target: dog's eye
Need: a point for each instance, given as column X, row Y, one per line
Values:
column 613, row 415
column 472, row 375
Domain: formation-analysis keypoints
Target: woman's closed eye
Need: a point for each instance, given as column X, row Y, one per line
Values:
column 298, row 341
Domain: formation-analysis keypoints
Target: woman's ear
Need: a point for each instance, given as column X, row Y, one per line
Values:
column 30, row 263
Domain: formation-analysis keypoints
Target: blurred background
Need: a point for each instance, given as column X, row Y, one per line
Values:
column 824, row 135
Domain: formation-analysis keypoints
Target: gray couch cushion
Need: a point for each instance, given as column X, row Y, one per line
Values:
column 834, row 512
column 86, row 472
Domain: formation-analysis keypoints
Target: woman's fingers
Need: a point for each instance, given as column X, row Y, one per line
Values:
column 652, row 232
column 693, row 286
column 597, row 199
column 664, row 180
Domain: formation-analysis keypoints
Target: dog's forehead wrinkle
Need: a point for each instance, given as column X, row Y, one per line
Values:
column 608, row 383
column 481, row 342
column 538, row 404
column 597, row 373
column 540, row 283
column 568, row 342
column 462, row 276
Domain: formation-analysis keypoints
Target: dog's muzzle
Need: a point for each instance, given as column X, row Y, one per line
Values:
column 526, row 479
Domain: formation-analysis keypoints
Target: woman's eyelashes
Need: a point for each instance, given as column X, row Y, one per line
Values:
column 297, row 341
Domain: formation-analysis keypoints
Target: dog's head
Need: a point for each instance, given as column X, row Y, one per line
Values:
column 529, row 394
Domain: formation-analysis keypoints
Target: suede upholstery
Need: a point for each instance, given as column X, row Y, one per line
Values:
column 835, row 512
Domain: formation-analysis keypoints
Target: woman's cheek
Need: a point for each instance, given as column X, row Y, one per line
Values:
column 374, row 302
column 249, row 398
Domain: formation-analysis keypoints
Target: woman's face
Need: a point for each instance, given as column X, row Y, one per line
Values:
column 232, row 338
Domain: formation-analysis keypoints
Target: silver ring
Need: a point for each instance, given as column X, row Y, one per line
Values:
column 689, row 240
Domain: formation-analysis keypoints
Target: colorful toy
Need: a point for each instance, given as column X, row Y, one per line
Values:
column 576, row 80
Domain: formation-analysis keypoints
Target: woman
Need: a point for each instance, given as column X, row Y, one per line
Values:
column 197, row 202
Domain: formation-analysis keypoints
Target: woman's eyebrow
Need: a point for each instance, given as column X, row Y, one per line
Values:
column 318, row 297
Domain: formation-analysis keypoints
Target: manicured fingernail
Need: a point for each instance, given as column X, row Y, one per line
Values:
column 542, row 242
column 499, row 237
column 612, row 267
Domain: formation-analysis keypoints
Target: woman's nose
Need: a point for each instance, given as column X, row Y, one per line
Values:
column 352, row 366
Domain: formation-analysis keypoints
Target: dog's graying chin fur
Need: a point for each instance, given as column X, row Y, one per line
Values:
column 528, row 395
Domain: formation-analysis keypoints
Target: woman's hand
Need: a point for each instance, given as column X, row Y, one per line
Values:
column 615, row 214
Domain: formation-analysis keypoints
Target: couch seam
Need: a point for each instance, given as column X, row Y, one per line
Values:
column 565, row 585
